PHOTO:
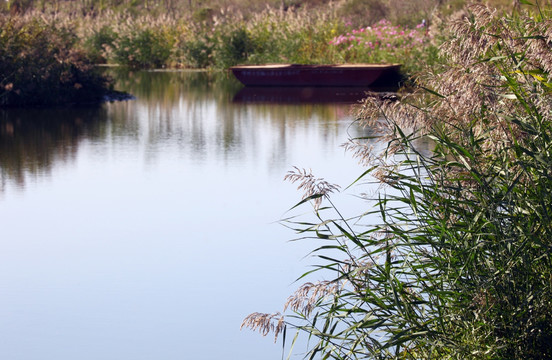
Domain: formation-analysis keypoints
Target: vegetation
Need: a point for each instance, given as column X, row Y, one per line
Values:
column 39, row 65
column 458, row 266
column 60, row 40
column 191, row 33
column 227, row 38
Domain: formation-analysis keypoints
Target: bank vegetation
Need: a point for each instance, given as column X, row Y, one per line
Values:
column 452, row 258
column 49, row 48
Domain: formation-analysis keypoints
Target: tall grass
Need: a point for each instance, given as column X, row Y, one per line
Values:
column 227, row 38
column 459, row 264
column 220, row 38
column 224, row 38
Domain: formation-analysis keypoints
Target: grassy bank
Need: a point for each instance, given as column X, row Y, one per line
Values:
column 459, row 264
column 146, row 34
column 229, row 38
column 48, row 51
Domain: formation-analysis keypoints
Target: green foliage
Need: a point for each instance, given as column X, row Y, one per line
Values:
column 99, row 43
column 197, row 52
column 143, row 48
column 39, row 65
column 269, row 37
column 234, row 47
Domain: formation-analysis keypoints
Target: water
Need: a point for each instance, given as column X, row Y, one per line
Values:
column 147, row 229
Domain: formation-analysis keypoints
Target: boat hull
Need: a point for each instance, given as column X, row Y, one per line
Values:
column 313, row 75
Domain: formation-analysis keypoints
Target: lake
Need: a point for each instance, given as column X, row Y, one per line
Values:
column 148, row 229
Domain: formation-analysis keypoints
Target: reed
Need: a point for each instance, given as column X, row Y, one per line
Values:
column 459, row 264
column 208, row 38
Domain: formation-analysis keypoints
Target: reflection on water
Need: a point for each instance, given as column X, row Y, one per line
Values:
column 193, row 111
column 301, row 95
column 32, row 141
column 145, row 229
column 306, row 95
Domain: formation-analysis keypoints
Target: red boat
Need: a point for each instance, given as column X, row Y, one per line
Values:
column 314, row 75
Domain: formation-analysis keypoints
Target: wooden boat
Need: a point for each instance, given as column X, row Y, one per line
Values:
column 313, row 75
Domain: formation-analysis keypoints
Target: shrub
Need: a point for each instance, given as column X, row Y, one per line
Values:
column 39, row 65
column 301, row 36
column 458, row 266
column 234, row 46
column 198, row 53
column 99, row 44
column 143, row 48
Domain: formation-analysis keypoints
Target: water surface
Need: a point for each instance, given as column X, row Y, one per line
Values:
column 147, row 229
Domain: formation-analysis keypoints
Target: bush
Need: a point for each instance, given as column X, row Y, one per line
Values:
column 459, row 265
column 143, row 48
column 234, row 46
column 39, row 65
column 98, row 46
column 198, row 53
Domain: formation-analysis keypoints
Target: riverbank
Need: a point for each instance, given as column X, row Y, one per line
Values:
column 49, row 59
column 48, row 52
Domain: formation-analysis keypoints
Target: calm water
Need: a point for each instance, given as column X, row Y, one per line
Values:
column 148, row 229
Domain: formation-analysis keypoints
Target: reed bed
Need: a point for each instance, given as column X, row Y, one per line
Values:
column 226, row 37
column 459, row 264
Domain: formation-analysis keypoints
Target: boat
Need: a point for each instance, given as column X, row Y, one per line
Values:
column 314, row 75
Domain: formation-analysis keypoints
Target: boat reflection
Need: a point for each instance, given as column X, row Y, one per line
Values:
column 302, row 95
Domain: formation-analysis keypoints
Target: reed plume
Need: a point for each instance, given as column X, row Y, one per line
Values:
column 265, row 323
column 312, row 187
